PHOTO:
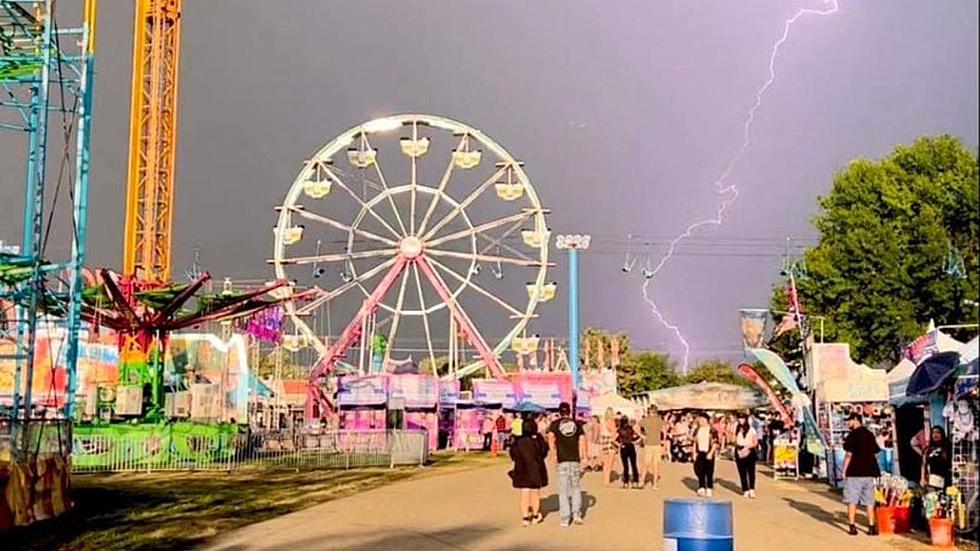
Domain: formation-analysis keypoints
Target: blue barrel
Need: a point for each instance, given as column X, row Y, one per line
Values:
column 698, row 525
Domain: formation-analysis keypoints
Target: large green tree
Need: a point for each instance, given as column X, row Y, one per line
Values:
column 898, row 247
column 645, row 371
column 715, row 371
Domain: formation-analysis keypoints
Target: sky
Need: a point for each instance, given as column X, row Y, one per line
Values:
column 624, row 113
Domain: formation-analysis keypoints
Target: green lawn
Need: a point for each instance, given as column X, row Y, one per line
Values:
column 170, row 511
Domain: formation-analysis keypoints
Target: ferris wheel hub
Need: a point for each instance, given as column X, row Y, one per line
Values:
column 411, row 247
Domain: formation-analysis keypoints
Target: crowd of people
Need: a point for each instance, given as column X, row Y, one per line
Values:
column 641, row 445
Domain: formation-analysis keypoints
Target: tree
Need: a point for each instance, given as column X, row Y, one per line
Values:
column 289, row 369
column 898, row 247
column 715, row 371
column 646, row 371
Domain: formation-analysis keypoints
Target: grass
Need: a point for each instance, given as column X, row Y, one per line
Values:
column 180, row 510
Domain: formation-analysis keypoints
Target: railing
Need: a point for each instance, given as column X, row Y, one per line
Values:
column 172, row 449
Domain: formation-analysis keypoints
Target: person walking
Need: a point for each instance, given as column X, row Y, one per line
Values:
column 705, row 449
column 530, row 473
column 652, row 426
column 566, row 438
column 626, row 440
column 860, row 471
column 746, row 454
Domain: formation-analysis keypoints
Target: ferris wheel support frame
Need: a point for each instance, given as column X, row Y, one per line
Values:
column 317, row 403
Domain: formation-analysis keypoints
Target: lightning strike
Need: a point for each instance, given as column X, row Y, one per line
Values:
column 728, row 192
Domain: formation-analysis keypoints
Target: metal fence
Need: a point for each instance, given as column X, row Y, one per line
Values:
column 172, row 450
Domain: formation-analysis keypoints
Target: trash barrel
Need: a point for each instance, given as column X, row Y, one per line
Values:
column 698, row 525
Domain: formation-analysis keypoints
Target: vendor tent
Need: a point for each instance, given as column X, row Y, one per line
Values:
column 707, row 396
column 617, row 403
column 898, row 381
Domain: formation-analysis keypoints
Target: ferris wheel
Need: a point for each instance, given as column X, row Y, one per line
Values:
column 412, row 222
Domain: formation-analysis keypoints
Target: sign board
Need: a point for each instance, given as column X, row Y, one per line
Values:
column 837, row 378
column 368, row 390
column 415, row 390
column 205, row 398
column 448, row 393
column 493, row 391
column 546, row 395
column 129, row 400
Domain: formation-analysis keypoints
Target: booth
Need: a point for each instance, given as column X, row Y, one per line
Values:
column 362, row 401
column 841, row 387
column 418, row 394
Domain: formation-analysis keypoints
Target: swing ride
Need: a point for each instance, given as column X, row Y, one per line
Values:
column 396, row 222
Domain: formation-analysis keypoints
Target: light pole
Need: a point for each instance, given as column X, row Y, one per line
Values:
column 573, row 243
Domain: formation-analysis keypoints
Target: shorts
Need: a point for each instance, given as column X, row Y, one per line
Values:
column 859, row 490
column 651, row 452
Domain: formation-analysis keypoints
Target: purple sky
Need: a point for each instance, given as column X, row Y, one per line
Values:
column 625, row 112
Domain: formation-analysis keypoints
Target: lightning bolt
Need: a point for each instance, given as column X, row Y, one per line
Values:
column 728, row 192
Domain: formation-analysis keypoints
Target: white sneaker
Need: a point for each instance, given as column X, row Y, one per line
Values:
column 746, row 494
column 751, row 494
column 708, row 492
column 701, row 492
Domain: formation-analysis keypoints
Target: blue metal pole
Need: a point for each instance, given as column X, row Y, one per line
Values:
column 81, row 226
column 573, row 331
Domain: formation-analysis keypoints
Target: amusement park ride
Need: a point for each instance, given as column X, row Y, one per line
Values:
column 404, row 226
column 400, row 226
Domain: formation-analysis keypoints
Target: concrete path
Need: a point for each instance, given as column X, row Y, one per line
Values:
column 477, row 510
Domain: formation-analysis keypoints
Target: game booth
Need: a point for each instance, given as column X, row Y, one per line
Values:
column 416, row 400
column 362, row 402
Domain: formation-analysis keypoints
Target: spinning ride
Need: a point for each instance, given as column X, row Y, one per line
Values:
column 366, row 206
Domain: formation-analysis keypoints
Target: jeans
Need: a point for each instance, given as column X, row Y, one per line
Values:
column 746, row 471
column 704, row 468
column 569, row 491
column 627, row 454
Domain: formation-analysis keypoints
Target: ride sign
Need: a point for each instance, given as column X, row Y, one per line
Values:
column 370, row 390
column 417, row 390
column 493, row 391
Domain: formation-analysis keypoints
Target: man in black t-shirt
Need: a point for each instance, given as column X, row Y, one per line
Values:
column 860, row 471
column 565, row 439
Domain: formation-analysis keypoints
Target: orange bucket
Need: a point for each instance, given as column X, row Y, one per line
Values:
column 886, row 519
column 941, row 531
column 903, row 520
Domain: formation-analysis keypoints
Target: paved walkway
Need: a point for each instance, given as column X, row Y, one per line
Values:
column 477, row 510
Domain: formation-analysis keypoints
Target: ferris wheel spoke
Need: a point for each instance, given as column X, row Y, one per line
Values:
column 498, row 242
column 485, row 258
column 337, row 257
column 327, row 296
column 425, row 318
column 457, row 276
column 414, row 185
column 340, row 225
column 442, row 188
column 340, row 183
column 512, row 219
column 396, row 317
column 465, row 203
column 386, row 189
